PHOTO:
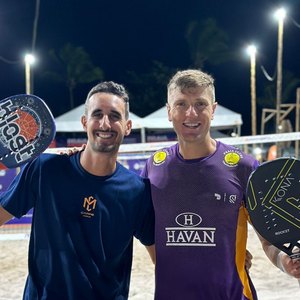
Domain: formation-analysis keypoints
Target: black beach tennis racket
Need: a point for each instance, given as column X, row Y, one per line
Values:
column 273, row 203
column 26, row 129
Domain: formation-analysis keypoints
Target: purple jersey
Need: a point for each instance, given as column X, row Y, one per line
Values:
column 201, row 224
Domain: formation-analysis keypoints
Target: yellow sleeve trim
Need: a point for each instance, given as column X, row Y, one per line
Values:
column 241, row 244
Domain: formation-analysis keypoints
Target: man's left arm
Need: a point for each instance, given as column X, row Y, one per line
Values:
column 280, row 259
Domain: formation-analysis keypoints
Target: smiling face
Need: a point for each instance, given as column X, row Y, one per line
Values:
column 191, row 111
column 105, row 122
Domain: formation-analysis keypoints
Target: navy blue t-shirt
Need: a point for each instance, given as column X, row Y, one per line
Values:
column 82, row 228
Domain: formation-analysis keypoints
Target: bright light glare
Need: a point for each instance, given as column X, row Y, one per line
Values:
column 251, row 50
column 29, row 58
column 280, row 14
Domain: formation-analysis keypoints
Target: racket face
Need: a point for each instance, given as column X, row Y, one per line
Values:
column 273, row 203
column 26, row 129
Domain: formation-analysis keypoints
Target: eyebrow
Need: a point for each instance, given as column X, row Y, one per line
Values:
column 97, row 110
column 197, row 99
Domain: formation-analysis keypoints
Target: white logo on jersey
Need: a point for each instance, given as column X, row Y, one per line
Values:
column 232, row 199
column 188, row 219
column 188, row 234
column 225, row 198
column 217, row 196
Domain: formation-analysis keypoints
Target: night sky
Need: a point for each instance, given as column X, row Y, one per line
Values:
column 122, row 36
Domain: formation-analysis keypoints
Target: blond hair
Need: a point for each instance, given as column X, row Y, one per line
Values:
column 189, row 79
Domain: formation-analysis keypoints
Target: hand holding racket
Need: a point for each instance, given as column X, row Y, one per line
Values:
column 273, row 203
column 26, row 129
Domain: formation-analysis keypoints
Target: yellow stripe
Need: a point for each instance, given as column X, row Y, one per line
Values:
column 241, row 243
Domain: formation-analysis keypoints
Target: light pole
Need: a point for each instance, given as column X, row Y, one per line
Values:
column 252, row 53
column 29, row 59
column 280, row 15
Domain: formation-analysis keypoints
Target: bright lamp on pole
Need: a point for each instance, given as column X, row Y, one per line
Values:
column 280, row 15
column 251, row 50
column 29, row 59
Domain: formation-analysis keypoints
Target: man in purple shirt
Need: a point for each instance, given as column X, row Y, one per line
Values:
column 198, row 189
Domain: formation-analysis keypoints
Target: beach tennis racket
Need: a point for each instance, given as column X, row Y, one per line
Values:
column 273, row 203
column 26, row 129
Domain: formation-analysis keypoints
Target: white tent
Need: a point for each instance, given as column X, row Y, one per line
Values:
column 224, row 119
column 70, row 121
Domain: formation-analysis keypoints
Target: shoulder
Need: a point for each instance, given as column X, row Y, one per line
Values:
column 233, row 156
column 129, row 176
column 50, row 161
column 163, row 154
column 159, row 160
column 49, row 158
column 135, row 185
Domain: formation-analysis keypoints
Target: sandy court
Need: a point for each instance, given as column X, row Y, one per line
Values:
column 271, row 283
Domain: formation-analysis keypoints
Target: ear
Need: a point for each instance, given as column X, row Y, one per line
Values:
column 128, row 127
column 83, row 122
column 169, row 112
column 214, row 106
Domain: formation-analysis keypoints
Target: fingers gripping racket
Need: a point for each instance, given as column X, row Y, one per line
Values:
column 26, row 129
column 273, row 202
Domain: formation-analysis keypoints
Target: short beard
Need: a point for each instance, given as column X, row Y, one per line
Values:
column 106, row 148
column 102, row 148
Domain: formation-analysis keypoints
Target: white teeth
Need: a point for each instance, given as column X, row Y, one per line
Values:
column 104, row 135
column 192, row 125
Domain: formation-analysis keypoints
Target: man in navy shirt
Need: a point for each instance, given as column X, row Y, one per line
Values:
column 87, row 209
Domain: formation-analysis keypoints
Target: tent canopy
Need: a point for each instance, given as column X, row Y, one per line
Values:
column 70, row 121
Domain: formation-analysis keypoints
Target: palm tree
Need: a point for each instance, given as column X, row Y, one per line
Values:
column 149, row 88
column 268, row 99
column 74, row 68
column 207, row 43
column 290, row 84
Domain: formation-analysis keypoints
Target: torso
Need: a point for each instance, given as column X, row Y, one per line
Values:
column 82, row 229
column 197, row 205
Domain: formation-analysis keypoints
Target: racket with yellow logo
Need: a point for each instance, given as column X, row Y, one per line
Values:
column 273, row 203
column 26, row 129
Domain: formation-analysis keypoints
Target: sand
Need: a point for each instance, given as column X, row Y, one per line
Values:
column 271, row 283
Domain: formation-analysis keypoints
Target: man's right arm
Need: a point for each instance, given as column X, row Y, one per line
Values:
column 4, row 216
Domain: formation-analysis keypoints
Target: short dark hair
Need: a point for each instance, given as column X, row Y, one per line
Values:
column 113, row 88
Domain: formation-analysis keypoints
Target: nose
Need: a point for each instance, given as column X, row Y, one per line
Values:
column 104, row 123
column 191, row 110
